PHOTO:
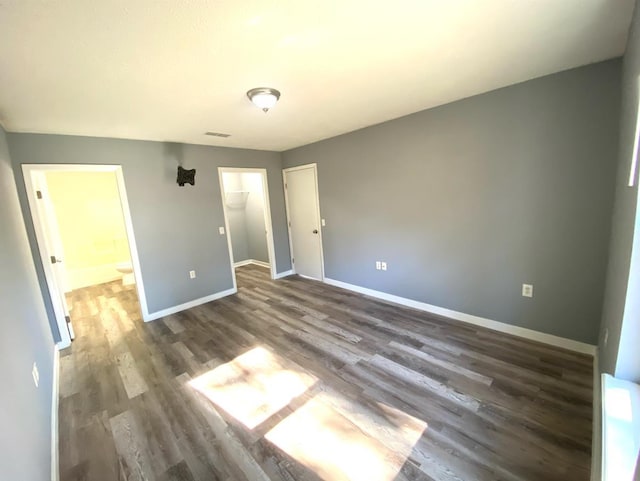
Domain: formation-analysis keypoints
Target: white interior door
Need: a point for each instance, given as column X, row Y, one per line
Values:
column 52, row 243
column 303, row 210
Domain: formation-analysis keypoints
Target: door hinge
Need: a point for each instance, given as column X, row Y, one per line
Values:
column 38, row 194
column 293, row 261
column 286, row 186
column 53, row 259
column 289, row 224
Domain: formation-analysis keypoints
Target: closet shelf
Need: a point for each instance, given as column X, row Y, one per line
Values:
column 236, row 199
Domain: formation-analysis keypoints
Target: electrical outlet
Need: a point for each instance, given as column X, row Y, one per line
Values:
column 378, row 265
column 323, row 223
column 383, row 265
column 36, row 374
column 221, row 230
column 192, row 274
column 527, row 290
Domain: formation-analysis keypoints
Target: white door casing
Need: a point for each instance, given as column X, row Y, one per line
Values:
column 267, row 216
column 303, row 216
column 34, row 175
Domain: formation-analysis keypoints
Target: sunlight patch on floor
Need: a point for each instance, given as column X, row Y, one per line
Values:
column 345, row 446
column 254, row 386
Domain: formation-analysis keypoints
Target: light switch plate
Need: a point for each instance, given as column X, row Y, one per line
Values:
column 527, row 290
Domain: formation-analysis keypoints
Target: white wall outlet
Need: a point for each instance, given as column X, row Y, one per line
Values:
column 36, row 374
column 606, row 336
column 527, row 290
column 323, row 222
column 192, row 274
column 383, row 265
column 378, row 265
column 221, row 230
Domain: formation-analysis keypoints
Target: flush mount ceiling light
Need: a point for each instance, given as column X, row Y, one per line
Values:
column 263, row 97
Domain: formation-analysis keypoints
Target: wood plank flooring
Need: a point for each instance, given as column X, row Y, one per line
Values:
column 296, row 380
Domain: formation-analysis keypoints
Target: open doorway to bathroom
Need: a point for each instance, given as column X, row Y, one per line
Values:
column 85, row 238
column 245, row 197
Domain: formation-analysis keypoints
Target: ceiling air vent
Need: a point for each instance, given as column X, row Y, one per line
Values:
column 217, row 134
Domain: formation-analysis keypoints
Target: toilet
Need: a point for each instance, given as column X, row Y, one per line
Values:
column 126, row 268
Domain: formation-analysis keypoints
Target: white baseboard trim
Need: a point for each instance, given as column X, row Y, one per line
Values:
column 252, row 261
column 550, row 339
column 188, row 305
column 280, row 275
column 260, row 263
column 242, row 263
column 55, row 391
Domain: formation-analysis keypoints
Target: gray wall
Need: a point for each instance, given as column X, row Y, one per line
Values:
column 236, row 216
column 254, row 218
column 176, row 228
column 25, row 411
column 625, row 354
column 246, row 222
column 467, row 201
column 238, row 232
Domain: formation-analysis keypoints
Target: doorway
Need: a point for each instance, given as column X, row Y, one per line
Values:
column 303, row 220
column 247, row 213
column 84, row 233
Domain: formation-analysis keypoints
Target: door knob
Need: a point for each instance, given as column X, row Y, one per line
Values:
column 315, row 231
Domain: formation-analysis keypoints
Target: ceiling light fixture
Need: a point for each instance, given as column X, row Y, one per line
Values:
column 263, row 97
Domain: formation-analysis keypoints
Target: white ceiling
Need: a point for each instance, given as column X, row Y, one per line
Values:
column 171, row 70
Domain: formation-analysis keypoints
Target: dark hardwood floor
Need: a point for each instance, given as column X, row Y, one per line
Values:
column 296, row 380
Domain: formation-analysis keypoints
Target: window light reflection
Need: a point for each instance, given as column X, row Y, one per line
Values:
column 254, row 386
column 335, row 448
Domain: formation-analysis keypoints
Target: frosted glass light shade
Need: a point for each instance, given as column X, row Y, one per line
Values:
column 264, row 98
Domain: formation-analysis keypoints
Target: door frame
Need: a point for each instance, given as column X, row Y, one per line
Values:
column 313, row 166
column 267, row 215
column 28, row 171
